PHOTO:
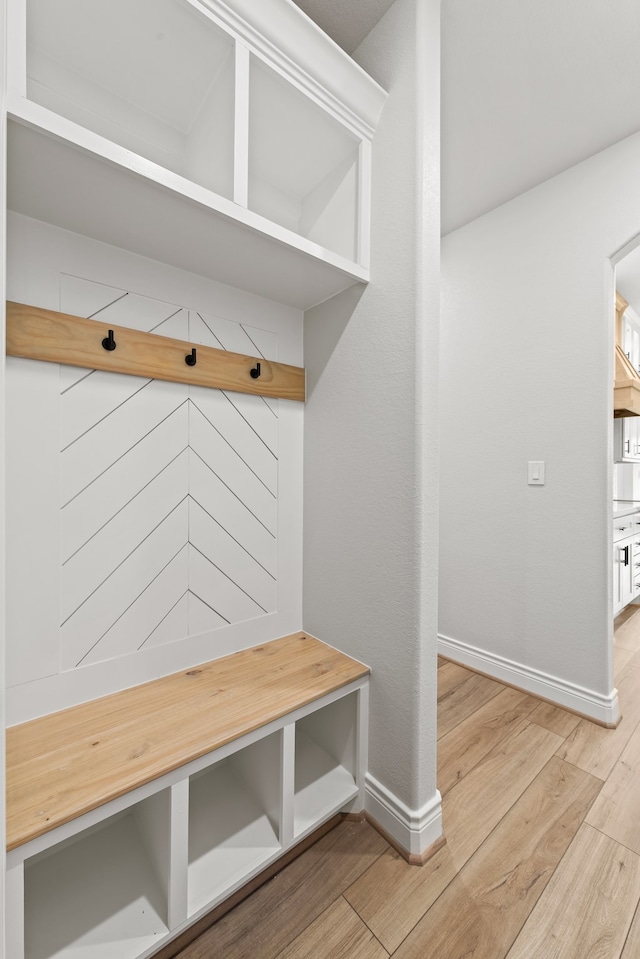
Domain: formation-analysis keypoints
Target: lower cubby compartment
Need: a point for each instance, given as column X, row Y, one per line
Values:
column 325, row 762
column 234, row 821
column 103, row 893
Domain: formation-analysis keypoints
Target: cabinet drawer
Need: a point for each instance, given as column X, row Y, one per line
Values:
column 625, row 526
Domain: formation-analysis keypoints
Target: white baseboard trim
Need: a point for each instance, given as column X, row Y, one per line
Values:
column 579, row 699
column 414, row 830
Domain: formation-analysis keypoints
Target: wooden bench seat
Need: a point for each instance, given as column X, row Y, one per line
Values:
column 65, row 764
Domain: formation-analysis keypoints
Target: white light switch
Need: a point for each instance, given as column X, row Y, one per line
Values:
column 536, row 472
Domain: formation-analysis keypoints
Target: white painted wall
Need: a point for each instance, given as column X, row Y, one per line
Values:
column 526, row 374
column 370, row 520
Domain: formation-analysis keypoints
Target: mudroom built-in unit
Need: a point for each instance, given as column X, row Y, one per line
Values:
column 185, row 178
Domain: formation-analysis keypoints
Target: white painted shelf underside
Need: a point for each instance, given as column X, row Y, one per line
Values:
column 184, row 225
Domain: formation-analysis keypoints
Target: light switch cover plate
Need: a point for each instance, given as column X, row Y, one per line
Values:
column 536, row 473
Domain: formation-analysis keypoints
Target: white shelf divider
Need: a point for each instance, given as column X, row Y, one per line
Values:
column 178, row 855
column 14, row 910
column 241, row 144
column 288, row 783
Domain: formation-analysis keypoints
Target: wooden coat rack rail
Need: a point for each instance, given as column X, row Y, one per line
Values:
column 37, row 334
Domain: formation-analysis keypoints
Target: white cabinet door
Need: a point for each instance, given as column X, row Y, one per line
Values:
column 626, row 439
column 626, row 573
column 635, row 564
column 632, row 436
column 616, row 579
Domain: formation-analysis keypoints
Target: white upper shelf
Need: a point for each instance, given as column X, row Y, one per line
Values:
column 231, row 139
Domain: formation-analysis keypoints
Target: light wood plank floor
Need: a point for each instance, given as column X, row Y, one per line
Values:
column 542, row 860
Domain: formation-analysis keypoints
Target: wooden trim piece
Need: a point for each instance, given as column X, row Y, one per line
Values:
column 626, row 400
column 37, row 334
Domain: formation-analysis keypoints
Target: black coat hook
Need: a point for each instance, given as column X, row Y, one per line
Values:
column 109, row 343
column 255, row 373
column 190, row 358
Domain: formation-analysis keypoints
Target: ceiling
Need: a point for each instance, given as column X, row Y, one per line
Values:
column 529, row 88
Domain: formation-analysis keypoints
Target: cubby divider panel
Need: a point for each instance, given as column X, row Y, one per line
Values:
column 99, row 894
column 234, row 820
column 325, row 762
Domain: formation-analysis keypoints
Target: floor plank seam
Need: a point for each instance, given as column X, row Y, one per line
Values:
column 367, row 926
column 618, row 842
column 450, row 729
column 581, row 768
column 635, row 919
column 425, row 913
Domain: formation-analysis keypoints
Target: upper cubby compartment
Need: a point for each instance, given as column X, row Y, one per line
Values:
column 303, row 164
column 154, row 76
column 229, row 138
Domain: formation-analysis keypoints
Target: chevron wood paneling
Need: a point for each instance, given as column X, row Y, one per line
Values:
column 158, row 615
column 121, row 535
column 224, row 507
column 84, row 515
column 223, row 459
column 168, row 510
column 114, row 436
column 239, row 433
column 91, row 621
column 210, row 539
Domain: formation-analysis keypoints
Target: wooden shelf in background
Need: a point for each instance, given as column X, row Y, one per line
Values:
column 38, row 334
